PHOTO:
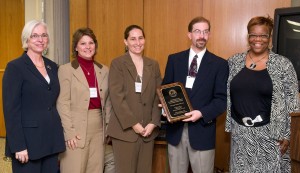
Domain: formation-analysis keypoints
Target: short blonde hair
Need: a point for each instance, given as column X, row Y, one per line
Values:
column 27, row 31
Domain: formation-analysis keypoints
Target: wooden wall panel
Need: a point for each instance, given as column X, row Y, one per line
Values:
column 166, row 27
column 78, row 17
column 11, row 22
column 229, row 19
column 108, row 19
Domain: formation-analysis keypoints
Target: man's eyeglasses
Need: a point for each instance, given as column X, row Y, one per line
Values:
column 36, row 36
column 255, row 36
column 198, row 32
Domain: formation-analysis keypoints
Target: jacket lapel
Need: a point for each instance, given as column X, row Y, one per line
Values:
column 31, row 67
column 130, row 66
column 146, row 73
column 78, row 73
column 100, row 75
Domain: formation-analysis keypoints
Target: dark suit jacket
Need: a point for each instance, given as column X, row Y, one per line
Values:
column 29, row 103
column 208, row 96
column 131, row 107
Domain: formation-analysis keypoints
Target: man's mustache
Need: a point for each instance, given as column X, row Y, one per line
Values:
column 201, row 39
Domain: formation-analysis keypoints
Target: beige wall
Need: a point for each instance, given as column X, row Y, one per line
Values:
column 34, row 10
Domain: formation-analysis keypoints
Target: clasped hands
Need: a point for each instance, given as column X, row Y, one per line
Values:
column 193, row 115
column 145, row 132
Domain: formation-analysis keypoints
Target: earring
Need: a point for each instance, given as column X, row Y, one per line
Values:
column 270, row 46
column 45, row 52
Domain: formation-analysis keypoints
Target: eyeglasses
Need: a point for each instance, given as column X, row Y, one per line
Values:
column 198, row 32
column 36, row 36
column 255, row 36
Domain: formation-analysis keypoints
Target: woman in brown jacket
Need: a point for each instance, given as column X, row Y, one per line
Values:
column 133, row 79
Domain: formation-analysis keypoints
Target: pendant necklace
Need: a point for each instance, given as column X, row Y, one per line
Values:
column 88, row 71
column 253, row 64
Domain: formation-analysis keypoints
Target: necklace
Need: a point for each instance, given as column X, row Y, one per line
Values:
column 88, row 71
column 40, row 66
column 253, row 64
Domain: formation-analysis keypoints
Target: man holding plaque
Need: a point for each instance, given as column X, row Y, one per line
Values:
column 204, row 76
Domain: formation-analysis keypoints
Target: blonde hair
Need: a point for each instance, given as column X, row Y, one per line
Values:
column 27, row 31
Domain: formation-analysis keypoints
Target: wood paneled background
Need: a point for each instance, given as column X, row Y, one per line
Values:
column 165, row 23
column 11, row 25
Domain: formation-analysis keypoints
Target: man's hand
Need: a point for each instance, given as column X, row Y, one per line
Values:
column 193, row 116
column 162, row 110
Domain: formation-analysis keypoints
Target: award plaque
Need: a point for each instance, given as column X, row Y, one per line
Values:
column 175, row 101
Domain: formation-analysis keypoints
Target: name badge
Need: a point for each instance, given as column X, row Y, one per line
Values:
column 93, row 93
column 138, row 87
column 189, row 81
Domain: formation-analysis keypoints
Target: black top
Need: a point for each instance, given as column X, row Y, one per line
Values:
column 251, row 95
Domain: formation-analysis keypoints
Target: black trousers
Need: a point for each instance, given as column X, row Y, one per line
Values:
column 48, row 164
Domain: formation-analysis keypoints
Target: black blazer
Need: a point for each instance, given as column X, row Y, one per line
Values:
column 208, row 95
column 29, row 104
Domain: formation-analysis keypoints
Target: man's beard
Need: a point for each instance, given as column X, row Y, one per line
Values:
column 202, row 44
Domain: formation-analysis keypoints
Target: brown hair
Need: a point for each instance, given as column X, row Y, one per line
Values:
column 79, row 33
column 131, row 27
column 261, row 20
column 198, row 20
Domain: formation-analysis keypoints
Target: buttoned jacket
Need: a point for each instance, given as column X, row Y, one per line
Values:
column 208, row 95
column 74, row 98
column 129, row 106
column 29, row 103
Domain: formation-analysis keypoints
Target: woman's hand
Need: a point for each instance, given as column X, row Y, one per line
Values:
column 284, row 145
column 139, row 129
column 148, row 129
column 72, row 143
column 22, row 156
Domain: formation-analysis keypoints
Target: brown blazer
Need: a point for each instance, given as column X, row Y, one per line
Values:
column 74, row 98
column 131, row 107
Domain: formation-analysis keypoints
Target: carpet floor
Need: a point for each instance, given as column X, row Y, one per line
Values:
column 5, row 166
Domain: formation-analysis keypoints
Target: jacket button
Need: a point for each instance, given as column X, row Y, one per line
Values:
column 144, row 104
column 49, row 88
column 49, row 108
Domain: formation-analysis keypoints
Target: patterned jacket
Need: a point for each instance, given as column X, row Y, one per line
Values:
column 285, row 98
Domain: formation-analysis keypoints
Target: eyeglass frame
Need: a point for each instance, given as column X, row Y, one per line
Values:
column 204, row 32
column 261, row 36
column 37, row 36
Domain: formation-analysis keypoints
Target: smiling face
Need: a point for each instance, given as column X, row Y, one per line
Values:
column 86, row 47
column 259, row 39
column 38, row 41
column 199, row 36
column 135, row 41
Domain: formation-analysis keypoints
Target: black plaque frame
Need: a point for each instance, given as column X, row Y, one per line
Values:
column 175, row 101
